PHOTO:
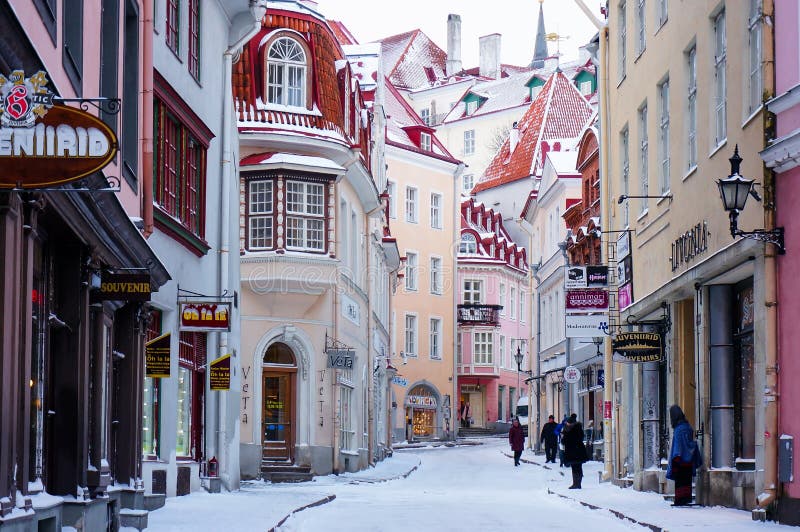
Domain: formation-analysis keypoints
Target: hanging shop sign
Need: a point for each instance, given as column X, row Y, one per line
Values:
column 625, row 270
column 689, row 245
column 122, row 287
column 421, row 401
column 400, row 381
column 623, row 245
column 42, row 145
column 341, row 358
column 601, row 377
column 596, row 276
column 637, row 347
column 586, row 325
column 625, row 295
column 202, row 316
column 157, row 357
column 590, row 300
column 606, row 409
column 219, row 374
column 572, row 374
column 576, row 277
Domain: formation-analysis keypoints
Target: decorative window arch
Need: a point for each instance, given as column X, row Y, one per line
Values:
column 469, row 244
column 286, row 69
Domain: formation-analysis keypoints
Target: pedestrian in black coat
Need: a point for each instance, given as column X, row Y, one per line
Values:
column 517, row 440
column 550, row 439
column 574, row 450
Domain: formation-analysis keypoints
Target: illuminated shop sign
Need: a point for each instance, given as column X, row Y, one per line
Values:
column 214, row 316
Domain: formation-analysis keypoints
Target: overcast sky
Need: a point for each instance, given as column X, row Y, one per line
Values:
column 515, row 20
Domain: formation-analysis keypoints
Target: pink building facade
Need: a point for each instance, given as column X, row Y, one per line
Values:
column 493, row 319
column 782, row 156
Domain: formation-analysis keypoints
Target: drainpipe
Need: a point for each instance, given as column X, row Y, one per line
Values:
column 538, row 357
column 456, row 238
column 147, row 117
column 258, row 9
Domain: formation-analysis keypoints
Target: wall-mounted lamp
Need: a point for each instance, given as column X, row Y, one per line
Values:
column 734, row 191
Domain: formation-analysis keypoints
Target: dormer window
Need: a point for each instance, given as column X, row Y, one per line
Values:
column 468, row 245
column 425, row 141
column 472, row 106
column 286, row 73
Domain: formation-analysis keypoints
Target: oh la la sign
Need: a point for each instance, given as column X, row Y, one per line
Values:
column 42, row 145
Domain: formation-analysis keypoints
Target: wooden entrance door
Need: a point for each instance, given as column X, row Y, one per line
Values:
column 276, row 415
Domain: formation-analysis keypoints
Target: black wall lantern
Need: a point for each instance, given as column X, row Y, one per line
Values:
column 734, row 191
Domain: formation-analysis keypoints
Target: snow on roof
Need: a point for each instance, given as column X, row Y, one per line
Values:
column 285, row 160
column 564, row 162
column 412, row 59
column 364, row 62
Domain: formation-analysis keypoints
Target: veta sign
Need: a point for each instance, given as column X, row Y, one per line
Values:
column 123, row 287
column 637, row 347
column 215, row 316
column 341, row 358
column 157, row 357
column 42, row 145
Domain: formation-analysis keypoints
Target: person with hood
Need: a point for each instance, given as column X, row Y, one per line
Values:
column 574, row 450
column 684, row 456
column 560, row 443
column 550, row 439
column 517, row 440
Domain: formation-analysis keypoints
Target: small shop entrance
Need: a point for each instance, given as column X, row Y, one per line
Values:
column 277, row 404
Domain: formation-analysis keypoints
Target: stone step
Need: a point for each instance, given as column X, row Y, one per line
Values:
column 133, row 518
column 287, row 476
column 154, row 501
column 283, row 469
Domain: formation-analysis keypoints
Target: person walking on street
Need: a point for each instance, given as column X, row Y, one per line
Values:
column 574, row 450
column 559, row 428
column 684, row 456
column 517, row 440
column 589, row 430
column 550, row 440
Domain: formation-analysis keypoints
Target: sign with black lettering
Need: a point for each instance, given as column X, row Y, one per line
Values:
column 219, row 374
column 157, row 357
column 341, row 358
column 122, row 287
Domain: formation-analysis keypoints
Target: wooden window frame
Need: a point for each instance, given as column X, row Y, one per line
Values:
column 172, row 23
column 194, row 39
column 192, row 356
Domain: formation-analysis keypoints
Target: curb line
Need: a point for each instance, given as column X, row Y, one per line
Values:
column 615, row 513
column 324, row 500
column 378, row 481
column 532, row 463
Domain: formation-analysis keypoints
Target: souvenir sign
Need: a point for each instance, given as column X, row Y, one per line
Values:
column 42, row 145
column 637, row 347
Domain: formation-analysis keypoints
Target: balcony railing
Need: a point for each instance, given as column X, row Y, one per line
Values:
column 472, row 314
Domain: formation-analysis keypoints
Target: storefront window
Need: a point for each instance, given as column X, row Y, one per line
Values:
column 150, row 401
column 38, row 361
column 422, row 404
column 345, row 418
column 184, row 425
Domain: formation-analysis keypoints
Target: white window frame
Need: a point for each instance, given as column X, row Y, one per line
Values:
column 412, row 271
column 471, row 107
column 641, row 26
column 412, row 204
column 622, row 58
column 425, row 141
column 291, row 88
column 522, row 306
column 586, row 87
column 643, row 156
column 467, row 182
column 435, row 338
column 411, row 344
column 691, row 109
column 391, row 189
column 663, row 139
column 469, row 142
column 436, row 210
column 482, row 348
column 512, row 302
column 346, row 431
column 720, row 101
column 663, row 12
column 436, row 275
column 754, row 78
column 502, row 351
column 502, row 299
column 626, row 171
column 309, row 212
column 260, row 214
column 468, row 244
column 472, row 291
column 425, row 115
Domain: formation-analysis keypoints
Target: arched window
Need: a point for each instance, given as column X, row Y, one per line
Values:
column 279, row 353
column 469, row 244
column 286, row 73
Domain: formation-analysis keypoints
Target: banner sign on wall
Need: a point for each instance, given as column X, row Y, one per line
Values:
column 606, row 409
column 623, row 245
column 122, row 287
column 586, row 300
column 421, row 401
column 637, row 347
column 625, row 295
column 586, row 325
column 596, row 276
column 157, row 357
column 42, row 145
column 400, row 381
column 214, row 316
column 219, row 374
column 576, row 277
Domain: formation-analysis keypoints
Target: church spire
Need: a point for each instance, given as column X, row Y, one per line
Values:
column 540, row 51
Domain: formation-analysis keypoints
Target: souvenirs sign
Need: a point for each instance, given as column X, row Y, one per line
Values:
column 421, row 401
column 586, row 300
column 637, row 347
column 42, row 145
column 219, row 374
column 123, row 287
column 157, row 357
column 196, row 316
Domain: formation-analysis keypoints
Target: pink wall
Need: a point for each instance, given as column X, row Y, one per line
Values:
column 787, row 59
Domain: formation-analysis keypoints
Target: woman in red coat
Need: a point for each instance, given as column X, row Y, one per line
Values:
column 517, row 440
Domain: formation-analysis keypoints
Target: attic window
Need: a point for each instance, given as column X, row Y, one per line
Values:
column 469, row 244
column 425, row 141
column 535, row 90
column 472, row 106
column 586, row 87
column 286, row 73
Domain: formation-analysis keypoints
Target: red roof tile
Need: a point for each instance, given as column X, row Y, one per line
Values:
column 490, row 230
column 558, row 112
column 406, row 56
column 341, row 33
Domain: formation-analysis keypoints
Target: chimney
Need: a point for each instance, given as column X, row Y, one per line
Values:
column 489, row 55
column 453, row 45
column 513, row 138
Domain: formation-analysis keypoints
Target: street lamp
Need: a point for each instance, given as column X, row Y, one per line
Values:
column 733, row 191
column 567, row 343
column 518, row 356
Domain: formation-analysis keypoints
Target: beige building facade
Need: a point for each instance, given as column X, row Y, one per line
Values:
column 683, row 87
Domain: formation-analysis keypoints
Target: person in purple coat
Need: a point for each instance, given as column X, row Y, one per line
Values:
column 517, row 440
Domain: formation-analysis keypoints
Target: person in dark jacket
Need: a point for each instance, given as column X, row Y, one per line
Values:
column 550, row 439
column 560, row 441
column 684, row 457
column 517, row 440
column 574, row 450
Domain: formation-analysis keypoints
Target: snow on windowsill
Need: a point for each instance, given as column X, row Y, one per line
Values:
column 261, row 105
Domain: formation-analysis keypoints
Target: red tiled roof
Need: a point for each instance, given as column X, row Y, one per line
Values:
column 406, row 56
column 558, row 112
column 341, row 33
column 490, row 230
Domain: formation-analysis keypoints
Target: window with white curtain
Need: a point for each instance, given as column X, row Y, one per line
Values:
column 720, row 80
column 436, row 339
column 411, row 336
column 436, row 211
column 482, row 347
column 469, row 142
column 663, row 139
column 502, row 351
column 436, row 275
column 502, row 299
column 691, row 109
column 643, row 150
column 754, row 77
column 412, row 213
column 411, row 271
column 286, row 73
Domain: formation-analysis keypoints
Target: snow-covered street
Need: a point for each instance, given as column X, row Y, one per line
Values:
column 470, row 487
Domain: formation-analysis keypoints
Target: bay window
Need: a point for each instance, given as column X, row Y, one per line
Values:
column 305, row 216
column 482, row 347
column 286, row 73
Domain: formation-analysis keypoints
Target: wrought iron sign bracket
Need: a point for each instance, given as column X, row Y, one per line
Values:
column 109, row 106
column 185, row 295
column 114, row 185
column 775, row 236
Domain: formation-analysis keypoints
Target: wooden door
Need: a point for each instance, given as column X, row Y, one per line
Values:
column 276, row 416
